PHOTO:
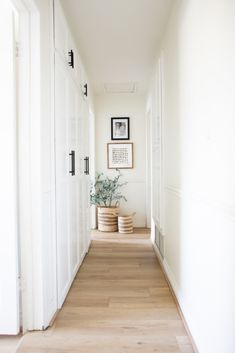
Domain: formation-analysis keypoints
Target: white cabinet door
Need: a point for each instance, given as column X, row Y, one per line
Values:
column 63, row 179
column 64, row 43
column 67, row 178
column 86, row 177
column 73, row 123
column 87, row 181
column 61, row 32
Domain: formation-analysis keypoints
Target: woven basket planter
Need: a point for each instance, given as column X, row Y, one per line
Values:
column 125, row 224
column 108, row 219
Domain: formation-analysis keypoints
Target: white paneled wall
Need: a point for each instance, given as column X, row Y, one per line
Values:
column 199, row 167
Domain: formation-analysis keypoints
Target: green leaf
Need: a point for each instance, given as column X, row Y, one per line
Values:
column 105, row 191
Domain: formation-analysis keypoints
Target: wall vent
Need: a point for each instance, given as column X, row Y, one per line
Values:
column 111, row 88
column 161, row 247
column 158, row 238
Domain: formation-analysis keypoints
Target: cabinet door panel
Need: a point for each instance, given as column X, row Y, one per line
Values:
column 61, row 33
column 62, row 179
column 73, row 118
column 69, row 195
column 63, row 251
column 85, row 178
column 74, row 230
column 64, row 43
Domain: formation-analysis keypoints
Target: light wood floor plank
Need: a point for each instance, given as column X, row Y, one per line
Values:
column 120, row 302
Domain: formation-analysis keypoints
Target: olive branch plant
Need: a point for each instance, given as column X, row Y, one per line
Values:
column 105, row 191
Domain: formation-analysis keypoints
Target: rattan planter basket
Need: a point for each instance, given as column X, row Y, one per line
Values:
column 108, row 218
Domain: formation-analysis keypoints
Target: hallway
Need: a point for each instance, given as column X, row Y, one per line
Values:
column 144, row 88
column 121, row 303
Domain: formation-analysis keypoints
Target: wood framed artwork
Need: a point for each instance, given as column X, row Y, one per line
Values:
column 120, row 128
column 120, row 155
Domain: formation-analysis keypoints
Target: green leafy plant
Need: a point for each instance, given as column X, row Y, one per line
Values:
column 106, row 191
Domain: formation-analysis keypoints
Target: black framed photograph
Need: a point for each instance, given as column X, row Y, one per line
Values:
column 120, row 155
column 120, row 128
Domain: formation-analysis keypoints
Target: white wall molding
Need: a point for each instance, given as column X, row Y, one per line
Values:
column 198, row 197
column 132, row 181
column 173, row 190
column 172, row 279
column 175, row 290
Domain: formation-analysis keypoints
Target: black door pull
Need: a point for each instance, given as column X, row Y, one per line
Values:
column 71, row 58
column 85, row 90
column 87, row 166
column 72, row 171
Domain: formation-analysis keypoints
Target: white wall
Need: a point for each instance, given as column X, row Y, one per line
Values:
column 199, row 188
column 9, row 289
column 133, row 106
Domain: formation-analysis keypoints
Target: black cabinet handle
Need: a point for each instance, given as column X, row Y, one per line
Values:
column 87, row 166
column 85, row 92
column 71, row 58
column 85, row 160
column 72, row 171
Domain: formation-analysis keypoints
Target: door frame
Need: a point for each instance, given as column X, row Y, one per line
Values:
column 155, row 107
column 148, row 201
column 29, row 166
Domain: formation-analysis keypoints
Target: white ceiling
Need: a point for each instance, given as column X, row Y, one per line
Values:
column 117, row 39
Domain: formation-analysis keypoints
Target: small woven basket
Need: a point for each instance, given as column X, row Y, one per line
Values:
column 125, row 223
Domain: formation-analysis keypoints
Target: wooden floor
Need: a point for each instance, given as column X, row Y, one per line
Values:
column 119, row 303
column 9, row 344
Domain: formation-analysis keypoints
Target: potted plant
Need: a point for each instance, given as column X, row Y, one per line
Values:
column 105, row 194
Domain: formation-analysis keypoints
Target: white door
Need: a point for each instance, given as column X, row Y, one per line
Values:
column 73, row 179
column 67, row 177
column 84, row 180
column 86, row 177
column 9, row 290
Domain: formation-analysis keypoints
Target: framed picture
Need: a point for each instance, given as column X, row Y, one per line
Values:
column 120, row 155
column 120, row 129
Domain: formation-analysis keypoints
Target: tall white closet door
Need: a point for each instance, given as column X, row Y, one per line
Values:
column 81, row 147
column 67, row 178
column 83, row 187
column 86, row 180
column 63, row 179
column 73, row 147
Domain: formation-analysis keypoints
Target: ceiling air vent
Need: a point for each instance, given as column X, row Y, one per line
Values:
column 120, row 87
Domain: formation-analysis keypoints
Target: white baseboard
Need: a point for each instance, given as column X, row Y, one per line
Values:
column 170, row 278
